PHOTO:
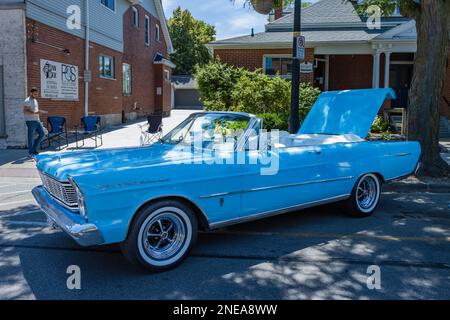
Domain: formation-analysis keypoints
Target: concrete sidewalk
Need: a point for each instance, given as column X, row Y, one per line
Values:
column 128, row 135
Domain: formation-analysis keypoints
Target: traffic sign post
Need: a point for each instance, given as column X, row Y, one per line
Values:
column 300, row 48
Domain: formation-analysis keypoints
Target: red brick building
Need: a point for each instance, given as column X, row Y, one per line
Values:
column 343, row 51
column 98, row 57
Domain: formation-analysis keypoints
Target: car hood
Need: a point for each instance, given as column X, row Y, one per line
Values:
column 78, row 163
column 345, row 112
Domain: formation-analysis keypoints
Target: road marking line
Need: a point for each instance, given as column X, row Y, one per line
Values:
column 15, row 192
column 16, row 202
column 20, row 213
column 26, row 223
column 32, row 184
column 7, row 185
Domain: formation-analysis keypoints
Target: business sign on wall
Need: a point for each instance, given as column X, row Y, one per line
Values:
column 306, row 67
column 59, row 80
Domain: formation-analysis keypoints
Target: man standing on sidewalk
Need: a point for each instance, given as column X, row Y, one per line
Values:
column 31, row 112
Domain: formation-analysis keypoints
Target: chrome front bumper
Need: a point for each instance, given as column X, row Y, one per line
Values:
column 84, row 234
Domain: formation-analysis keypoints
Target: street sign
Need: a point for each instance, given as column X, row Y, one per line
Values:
column 87, row 76
column 300, row 48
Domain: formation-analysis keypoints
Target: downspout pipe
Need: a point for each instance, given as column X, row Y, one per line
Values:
column 86, row 60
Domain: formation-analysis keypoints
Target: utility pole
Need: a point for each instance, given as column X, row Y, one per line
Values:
column 294, row 119
column 87, row 73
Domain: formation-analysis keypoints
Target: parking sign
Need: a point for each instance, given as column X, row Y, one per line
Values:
column 300, row 48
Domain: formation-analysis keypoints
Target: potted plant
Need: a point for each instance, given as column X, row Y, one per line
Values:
column 265, row 6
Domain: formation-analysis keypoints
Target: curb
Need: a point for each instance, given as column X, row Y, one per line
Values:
column 416, row 187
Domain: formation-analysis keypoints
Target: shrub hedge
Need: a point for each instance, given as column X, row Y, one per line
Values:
column 226, row 88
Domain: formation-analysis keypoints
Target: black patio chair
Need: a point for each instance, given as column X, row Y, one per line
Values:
column 57, row 132
column 152, row 131
column 91, row 129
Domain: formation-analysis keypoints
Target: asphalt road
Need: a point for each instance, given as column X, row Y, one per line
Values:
column 312, row 254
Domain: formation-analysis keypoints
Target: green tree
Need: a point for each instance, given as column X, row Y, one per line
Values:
column 433, row 26
column 226, row 88
column 189, row 37
column 288, row 3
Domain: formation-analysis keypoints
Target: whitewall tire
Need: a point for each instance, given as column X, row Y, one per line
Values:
column 161, row 235
column 365, row 196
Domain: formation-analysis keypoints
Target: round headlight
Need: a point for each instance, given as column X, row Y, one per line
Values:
column 80, row 197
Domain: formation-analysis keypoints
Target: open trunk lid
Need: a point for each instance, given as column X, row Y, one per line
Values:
column 345, row 112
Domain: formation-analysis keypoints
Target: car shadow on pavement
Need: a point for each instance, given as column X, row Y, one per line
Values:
column 14, row 157
column 311, row 254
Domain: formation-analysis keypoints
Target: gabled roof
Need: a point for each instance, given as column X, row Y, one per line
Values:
column 326, row 21
column 324, row 11
column 312, row 37
column 405, row 30
column 184, row 82
column 163, row 21
column 160, row 59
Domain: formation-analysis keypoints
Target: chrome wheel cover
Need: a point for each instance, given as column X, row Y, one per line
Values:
column 367, row 193
column 164, row 236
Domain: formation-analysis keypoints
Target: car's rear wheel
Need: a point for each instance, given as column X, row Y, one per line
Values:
column 365, row 196
column 161, row 236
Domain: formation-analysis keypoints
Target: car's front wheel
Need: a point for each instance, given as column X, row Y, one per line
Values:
column 161, row 235
column 365, row 196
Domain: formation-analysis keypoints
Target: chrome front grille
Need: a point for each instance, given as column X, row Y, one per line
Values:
column 61, row 191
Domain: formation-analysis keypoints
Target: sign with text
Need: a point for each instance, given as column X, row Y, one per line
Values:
column 300, row 48
column 59, row 80
column 306, row 67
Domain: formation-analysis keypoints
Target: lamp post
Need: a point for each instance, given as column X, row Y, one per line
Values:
column 294, row 118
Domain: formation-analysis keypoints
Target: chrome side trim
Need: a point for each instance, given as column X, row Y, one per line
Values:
column 225, row 223
column 276, row 187
column 403, row 154
column 130, row 184
column 299, row 184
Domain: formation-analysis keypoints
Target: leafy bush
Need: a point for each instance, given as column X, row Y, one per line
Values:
column 227, row 88
column 258, row 93
column 216, row 82
column 272, row 121
column 380, row 125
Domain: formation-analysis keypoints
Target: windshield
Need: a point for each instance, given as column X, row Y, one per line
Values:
column 208, row 128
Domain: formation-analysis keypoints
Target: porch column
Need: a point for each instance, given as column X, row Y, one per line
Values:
column 387, row 68
column 376, row 70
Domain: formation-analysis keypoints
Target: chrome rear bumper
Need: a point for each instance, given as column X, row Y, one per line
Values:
column 85, row 235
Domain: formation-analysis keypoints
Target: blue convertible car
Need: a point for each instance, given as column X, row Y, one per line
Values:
column 204, row 174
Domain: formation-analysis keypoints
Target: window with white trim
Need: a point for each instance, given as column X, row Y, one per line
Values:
column 110, row 4
column 276, row 65
column 157, row 33
column 106, row 67
column 126, row 68
column 135, row 17
column 147, row 30
column 167, row 75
